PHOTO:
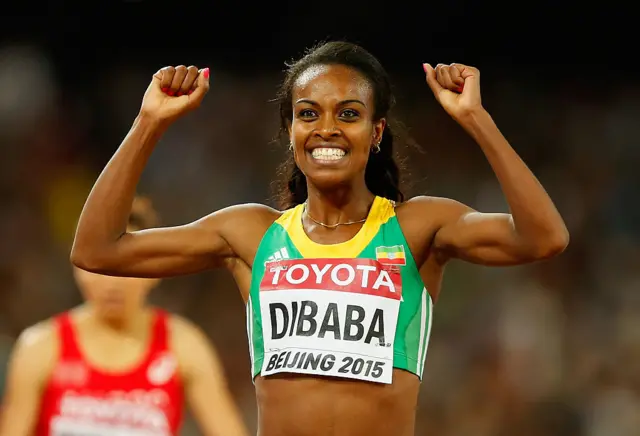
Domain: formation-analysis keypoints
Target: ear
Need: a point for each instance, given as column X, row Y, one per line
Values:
column 378, row 129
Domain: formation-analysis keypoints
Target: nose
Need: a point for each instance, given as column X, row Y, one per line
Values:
column 328, row 128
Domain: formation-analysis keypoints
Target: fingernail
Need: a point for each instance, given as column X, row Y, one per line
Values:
column 190, row 92
column 179, row 93
column 425, row 67
column 170, row 93
column 205, row 73
column 459, row 89
column 165, row 90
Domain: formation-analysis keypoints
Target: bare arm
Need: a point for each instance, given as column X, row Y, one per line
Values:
column 102, row 244
column 167, row 251
column 28, row 367
column 534, row 229
column 206, row 389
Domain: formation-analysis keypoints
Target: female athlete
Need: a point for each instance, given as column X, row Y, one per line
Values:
column 116, row 366
column 339, row 286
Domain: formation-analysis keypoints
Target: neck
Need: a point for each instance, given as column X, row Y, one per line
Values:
column 125, row 324
column 340, row 205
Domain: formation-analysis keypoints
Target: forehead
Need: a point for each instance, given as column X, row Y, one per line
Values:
column 332, row 82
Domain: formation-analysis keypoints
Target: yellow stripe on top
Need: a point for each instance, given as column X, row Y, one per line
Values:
column 382, row 210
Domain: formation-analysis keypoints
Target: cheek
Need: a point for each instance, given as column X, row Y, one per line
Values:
column 297, row 138
column 361, row 136
column 299, row 131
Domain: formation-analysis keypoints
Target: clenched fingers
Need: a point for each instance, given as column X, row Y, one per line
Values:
column 200, row 87
column 166, row 77
column 178, row 77
column 449, row 77
column 190, row 80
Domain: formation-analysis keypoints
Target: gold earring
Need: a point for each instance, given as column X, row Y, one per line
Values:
column 290, row 146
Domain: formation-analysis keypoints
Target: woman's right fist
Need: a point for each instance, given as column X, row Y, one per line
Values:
column 174, row 91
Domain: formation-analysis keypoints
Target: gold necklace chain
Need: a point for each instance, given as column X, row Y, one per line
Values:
column 330, row 226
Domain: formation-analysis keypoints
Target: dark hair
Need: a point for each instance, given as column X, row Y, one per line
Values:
column 382, row 174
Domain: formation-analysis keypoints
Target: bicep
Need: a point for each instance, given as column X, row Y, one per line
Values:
column 167, row 251
column 481, row 238
column 24, row 389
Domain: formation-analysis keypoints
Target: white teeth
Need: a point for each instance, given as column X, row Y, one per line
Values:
column 328, row 153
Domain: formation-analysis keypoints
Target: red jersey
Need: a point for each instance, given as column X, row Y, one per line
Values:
column 81, row 400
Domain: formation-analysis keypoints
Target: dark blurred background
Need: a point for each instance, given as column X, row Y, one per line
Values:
column 551, row 349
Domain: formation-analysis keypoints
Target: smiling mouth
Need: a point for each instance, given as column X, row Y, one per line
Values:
column 328, row 154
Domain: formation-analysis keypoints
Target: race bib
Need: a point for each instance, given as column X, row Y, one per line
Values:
column 331, row 317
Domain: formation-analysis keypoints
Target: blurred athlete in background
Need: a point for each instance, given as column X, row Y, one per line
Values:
column 114, row 365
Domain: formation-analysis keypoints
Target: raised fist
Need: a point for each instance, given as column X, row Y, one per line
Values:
column 456, row 87
column 174, row 91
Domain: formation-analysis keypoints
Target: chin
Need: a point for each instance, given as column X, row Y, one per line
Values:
column 326, row 179
column 329, row 175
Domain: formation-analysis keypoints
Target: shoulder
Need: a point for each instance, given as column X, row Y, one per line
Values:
column 242, row 220
column 254, row 209
column 243, row 227
column 36, row 347
column 40, row 336
column 437, row 211
column 245, row 212
column 425, row 203
column 422, row 217
column 185, row 335
column 190, row 345
column 182, row 328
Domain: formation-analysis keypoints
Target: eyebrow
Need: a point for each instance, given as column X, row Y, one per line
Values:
column 341, row 103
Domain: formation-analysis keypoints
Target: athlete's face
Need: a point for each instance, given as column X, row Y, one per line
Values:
column 114, row 298
column 332, row 131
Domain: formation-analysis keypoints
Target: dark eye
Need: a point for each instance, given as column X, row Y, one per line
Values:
column 349, row 113
column 307, row 113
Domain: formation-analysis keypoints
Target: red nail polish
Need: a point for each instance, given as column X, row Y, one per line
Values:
column 170, row 93
column 459, row 89
column 190, row 92
column 179, row 94
column 205, row 73
column 165, row 90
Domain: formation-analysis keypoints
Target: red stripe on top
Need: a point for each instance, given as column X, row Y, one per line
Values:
column 147, row 396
